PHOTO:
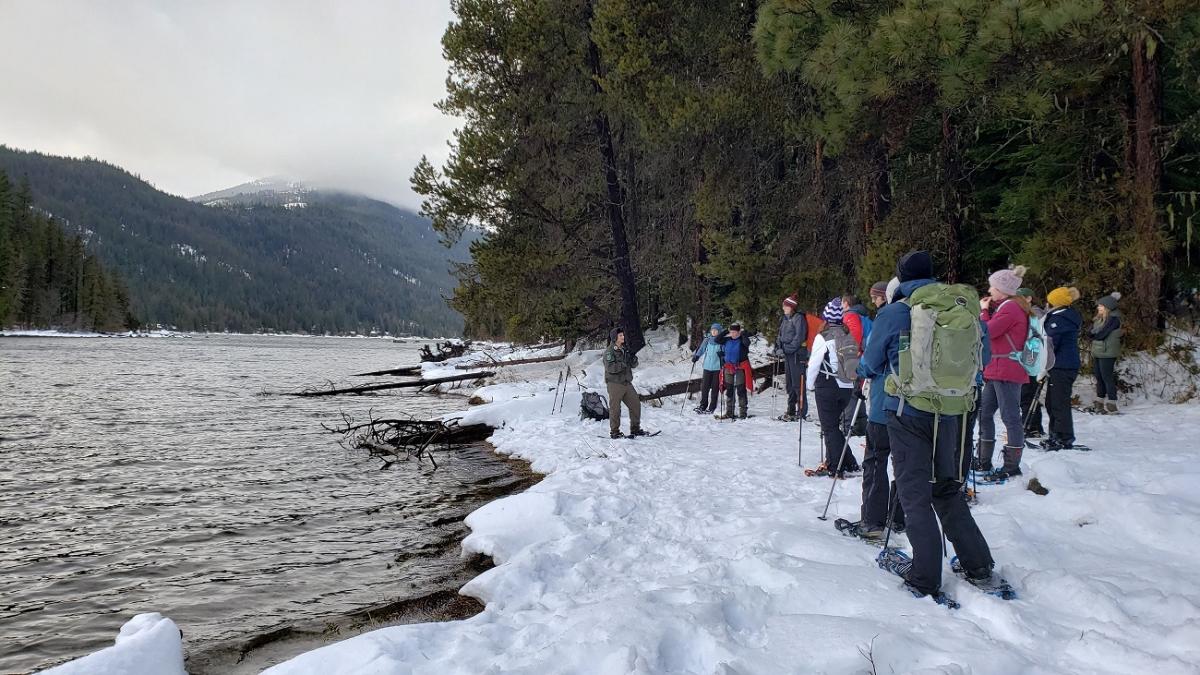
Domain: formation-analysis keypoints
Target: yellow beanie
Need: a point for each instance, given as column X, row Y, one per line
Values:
column 1062, row 296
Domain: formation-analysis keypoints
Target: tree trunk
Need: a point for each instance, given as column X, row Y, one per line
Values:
column 622, row 266
column 1147, row 173
column 951, row 202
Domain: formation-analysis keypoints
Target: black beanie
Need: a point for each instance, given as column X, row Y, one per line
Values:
column 914, row 265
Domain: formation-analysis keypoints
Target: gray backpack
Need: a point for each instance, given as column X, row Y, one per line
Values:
column 593, row 406
column 842, row 343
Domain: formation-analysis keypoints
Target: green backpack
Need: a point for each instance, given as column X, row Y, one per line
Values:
column 941, row 355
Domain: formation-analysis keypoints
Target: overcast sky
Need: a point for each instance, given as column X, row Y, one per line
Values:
column 199, row 95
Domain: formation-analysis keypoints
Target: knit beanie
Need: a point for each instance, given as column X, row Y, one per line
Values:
column 1109, row 301
column 791, row 301
column 892, row 287
column 715, row 326
column 1007, row 281
column 612, row 335
column 915, row 265
column 833, row 311
column 1025, row 292
column 879, row 289
column 1062, row 296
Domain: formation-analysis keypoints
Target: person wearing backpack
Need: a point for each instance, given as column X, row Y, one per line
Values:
column 711, row 352
column 831, row 375
column 1106, row 349
column 1008, row 329
column 737, row 378
column 1031, row 408
column 925, row 424
column 619, row 363
column 1062, row 324
column 856, row 319
column 793, row 334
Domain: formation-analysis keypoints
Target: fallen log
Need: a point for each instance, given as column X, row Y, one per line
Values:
column 393, row 440
column 515, row 362
column 687, row 386
column 406, row 371
column 393, row 385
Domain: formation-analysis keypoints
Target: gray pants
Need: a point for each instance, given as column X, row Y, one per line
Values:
column 623, row 393
column 1006, row 398
column 794, row 376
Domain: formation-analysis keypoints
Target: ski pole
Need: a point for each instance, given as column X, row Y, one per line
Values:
column 800, row 442
column 774, row 389
column 554, row 402
column 845, row 446
column 687, row 389
column 887, row 536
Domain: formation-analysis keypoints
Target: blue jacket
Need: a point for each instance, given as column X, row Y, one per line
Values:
column 882, row 355
column 1062, row 327
column 710, row 351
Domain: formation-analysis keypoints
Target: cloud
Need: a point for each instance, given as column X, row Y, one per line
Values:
column 199, row 96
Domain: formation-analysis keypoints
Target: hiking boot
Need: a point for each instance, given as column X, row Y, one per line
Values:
column 700, row 410
column 977, row 464
column 1110, row 407
column 984, row 452
column 742, row 414
column 898, row 526
column 821, row 470
column 616, row 434
column 1052, row 445
column 1098, row 408
column 1033, row 433
column 786, row 417
column 1012, row 455
column 638, row 431
column 869, row 533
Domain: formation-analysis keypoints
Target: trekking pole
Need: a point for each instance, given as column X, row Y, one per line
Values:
column 554, row 402
column 687, row 389
column 887, row 536
column 774, row 389
column 800, row 442
column 562, row 402
column 1033, row 405
column 845, row 446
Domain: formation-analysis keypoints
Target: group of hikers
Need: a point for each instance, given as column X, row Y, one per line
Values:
column 934, row 360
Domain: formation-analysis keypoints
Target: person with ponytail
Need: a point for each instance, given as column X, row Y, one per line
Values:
column 1106, row 348
column 1062, row 324
column 1008, row 326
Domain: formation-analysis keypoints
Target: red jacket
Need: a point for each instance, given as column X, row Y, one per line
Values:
column 853, row 323
column 745, row 366
column 1008, row 327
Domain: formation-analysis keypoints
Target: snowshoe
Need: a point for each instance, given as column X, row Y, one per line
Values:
column 980, row 466
column 634, row 433
column 821, row 470
column 1000, row 476
column 786, row 417
column 616, row 434
column 700, row 411
column 993, row 584
column 855, row 529
column 899, row 563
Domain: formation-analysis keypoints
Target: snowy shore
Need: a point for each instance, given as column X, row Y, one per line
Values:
column 699, row 551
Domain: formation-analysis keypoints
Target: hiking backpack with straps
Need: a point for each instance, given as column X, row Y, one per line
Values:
column 593, row 406
column 842, row 343
column 942, row 354
column 1036, row 356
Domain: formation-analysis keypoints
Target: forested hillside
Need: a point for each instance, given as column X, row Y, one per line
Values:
column 704, row 159
column 47, row 278
column 341, row 263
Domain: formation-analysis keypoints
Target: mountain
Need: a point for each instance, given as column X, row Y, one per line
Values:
column 253, row 260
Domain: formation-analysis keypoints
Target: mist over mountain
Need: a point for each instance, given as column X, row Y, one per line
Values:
column 272, row 254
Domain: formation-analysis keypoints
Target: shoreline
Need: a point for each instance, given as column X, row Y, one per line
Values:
column 438, row 601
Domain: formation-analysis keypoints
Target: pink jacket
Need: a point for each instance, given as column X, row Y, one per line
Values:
column 1008, row 322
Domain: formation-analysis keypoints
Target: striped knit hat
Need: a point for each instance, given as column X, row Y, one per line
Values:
column 833, row 311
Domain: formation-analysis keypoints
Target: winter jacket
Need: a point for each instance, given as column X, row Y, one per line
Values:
column 1106, row 336
column 858, row 322
column 1008, row 327
column 619, row 363
column 824, row 360
column 710, row 351
column 1062, row 327
column 882, row 355
column 730, row 369
column 735, row 351
column 793, row 333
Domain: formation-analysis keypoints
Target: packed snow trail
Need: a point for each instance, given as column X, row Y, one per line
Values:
column 700, row 551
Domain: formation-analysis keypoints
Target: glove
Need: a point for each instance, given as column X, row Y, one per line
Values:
column 866, row 388
column 858, row 389
column 695, row 359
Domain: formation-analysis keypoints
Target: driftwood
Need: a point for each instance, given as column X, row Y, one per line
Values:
column 394, row 440
column 515, row 362
column 399, row 372
column 418, row 384
column 687, row 386
column 445, row 350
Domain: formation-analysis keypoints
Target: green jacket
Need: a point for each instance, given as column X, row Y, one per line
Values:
column 1106, row 336
column 618, row 365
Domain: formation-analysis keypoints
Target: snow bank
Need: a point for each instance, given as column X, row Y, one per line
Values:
column 699, row 551
column 148, row 644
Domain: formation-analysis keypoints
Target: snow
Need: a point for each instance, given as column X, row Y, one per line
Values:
column 148, row 644
column 700, row 551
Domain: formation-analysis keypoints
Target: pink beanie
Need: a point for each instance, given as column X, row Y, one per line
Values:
column 1008, row 281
